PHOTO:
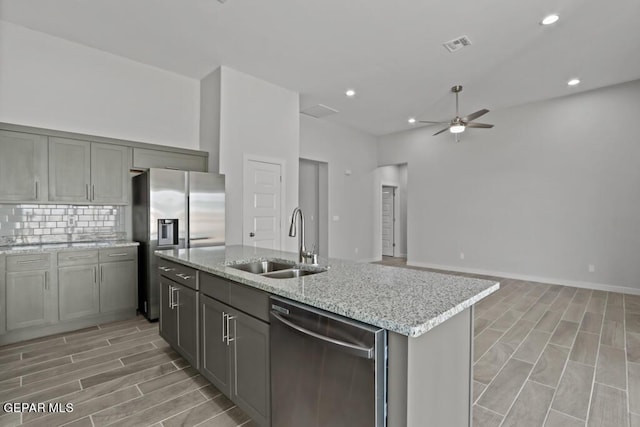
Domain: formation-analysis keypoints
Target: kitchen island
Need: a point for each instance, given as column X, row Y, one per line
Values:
column 428, row 316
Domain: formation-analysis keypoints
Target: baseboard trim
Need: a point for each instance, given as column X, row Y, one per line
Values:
column 541, row 279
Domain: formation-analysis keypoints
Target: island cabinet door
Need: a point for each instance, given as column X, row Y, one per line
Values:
column 168, row 314
column 186, row 304
column 214, row 349
column 250, row 366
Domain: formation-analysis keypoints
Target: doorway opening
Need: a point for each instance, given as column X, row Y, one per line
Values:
column 313, row 199
column 393, row 211
column 388, row 221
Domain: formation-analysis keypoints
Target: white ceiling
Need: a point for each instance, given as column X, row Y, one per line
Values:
column 390, row 52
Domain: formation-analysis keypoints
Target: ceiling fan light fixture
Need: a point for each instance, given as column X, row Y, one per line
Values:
column 550, row 19
column 412, row 120
column 573, row 82
column 350, row 93
column 458, row 128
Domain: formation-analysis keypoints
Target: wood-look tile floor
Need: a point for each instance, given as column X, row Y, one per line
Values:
column 545, row 355
column 548, row 355
column 119, row 374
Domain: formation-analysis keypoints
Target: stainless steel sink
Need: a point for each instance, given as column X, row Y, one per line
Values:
column 260, row 267
column 290, row 273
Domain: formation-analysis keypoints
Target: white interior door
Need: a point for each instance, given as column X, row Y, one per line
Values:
column 262, row 192
column 388, row 219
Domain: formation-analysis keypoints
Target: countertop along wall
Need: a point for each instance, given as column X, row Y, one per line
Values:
column 552, row 189
column 52, row 83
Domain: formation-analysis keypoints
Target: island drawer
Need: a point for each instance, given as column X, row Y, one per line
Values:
column 77, row 258
column 251, row 301
column 118, row 254
column 28, row 262
column 179, row 273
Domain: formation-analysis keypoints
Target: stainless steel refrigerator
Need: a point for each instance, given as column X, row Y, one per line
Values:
column 173, row 210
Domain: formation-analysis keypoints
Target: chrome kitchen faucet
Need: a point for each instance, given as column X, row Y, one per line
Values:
column 303, row 255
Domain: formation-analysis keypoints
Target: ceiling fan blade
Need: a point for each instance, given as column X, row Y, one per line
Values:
column 443, row 130
column 475, row 115
column 434, row 123
column 479, row 125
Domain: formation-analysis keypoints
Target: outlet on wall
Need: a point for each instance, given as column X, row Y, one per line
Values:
column 592, row 268
column 461, row 255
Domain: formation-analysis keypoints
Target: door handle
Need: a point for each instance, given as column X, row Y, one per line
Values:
column 252, row 234
column 356, row 350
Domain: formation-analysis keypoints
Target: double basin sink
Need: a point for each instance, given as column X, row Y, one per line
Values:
column 276, row 269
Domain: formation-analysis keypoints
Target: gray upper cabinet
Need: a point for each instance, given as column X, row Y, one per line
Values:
column 69, row 170
column 144, row 159
column 23, row 167
column 85, row 172
column 109, row 173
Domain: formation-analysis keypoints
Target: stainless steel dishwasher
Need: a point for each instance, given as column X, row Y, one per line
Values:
column 326, row 370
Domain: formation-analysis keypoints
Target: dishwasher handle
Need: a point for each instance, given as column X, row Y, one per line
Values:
column 355, row 350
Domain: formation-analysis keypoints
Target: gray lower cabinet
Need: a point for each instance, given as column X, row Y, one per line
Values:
column 179, row 318
column 78, row 291
column 31, row 292
column 235, row 346
column 83, row 171
column 23, row 167
column 118, row 286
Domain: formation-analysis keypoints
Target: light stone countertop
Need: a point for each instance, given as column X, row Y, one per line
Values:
column 407, row 301
column 57, row 247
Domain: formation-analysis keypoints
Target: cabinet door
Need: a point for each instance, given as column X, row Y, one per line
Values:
column 118, row 286
column 29, row 299
column 69, row 170
column 144, row 158
column 23, row 167
column 78, row 293
column 168, row 315
column 250, row 365
column 109, row 173
column 214, row 352
column 187, row 312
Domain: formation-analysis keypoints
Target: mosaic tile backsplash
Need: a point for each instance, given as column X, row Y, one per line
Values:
column 25, row 224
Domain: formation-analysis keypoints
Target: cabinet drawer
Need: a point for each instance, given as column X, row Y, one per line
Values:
column 66, row 259
column 118, row 254
column 251, row 301
column 215, row 287
column 28, row 262
column 179, row 273
column 244, row 298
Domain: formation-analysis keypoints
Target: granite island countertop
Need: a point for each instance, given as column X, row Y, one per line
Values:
column 57, row 247
column 407, row 301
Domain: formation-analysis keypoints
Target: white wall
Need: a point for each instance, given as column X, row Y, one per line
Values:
column 548, row 191
column 52, row 83
column 260, row 120
column 351, row 197
column 394, row 176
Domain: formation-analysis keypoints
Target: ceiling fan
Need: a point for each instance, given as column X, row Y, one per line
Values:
column 458, row 124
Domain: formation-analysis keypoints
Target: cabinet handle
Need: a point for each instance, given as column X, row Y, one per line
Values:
column 119, row 254
column 183, row 276
column 46, row 280
column 163, row 268
column 101, row 274
column 36, row 190
column 30, row 261
column 170, row 296
column 224, row 322
column 87, row 190
column 229, row 339
column 93, row 192
column 175, row 301
column 72, row 258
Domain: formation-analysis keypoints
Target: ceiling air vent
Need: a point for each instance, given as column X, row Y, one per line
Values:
column 319, row 111
column 457, row 43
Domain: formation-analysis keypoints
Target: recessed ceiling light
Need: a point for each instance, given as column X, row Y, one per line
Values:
column 551, row 19
column 350, row 93
column 411, row 120
column 573, row 82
